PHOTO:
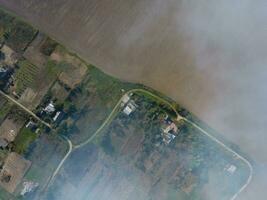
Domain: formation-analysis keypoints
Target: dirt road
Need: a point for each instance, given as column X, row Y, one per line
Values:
column 24, row 108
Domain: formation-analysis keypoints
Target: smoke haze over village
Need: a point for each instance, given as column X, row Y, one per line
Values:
column 209, row 56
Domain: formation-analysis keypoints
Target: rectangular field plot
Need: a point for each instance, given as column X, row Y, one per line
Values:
column 16, row 33
column 45, row 153
column 32, row 82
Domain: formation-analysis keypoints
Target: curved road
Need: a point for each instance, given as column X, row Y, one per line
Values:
column 109, row 119
column 113, row 113
column 62, row 161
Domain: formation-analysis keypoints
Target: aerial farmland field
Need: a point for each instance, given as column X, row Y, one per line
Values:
column 104, row 138
column 132, row 157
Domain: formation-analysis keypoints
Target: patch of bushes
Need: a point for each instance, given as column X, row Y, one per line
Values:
column 48, row 47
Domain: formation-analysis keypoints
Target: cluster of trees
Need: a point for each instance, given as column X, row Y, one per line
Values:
column 48, row 46
column 15, row 33
column 19, row 36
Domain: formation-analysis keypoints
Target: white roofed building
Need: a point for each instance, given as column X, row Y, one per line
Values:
column 50, row 108
column 131, row 107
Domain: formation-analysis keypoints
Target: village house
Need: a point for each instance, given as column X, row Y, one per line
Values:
column 59, row 116
column 169, row 132
column 130, row 108
column 31, row 125
column 230, row 169
column 50, row 108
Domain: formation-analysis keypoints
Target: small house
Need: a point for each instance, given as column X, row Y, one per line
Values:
column 58, row 117
column 31, row 125
column 130, row 107
column 125, row 99
column 167, row 138
column 231, row 169
column 171, row 127
column 50, row 108
column 169, row 133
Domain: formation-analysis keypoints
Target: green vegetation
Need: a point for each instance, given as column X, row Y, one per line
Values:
column 134, row 143
column 16, row 33
column 23, row 140
column 45, row 153
column 20, row 35
column 17, row 114
column 54, row 68
column 5, row 24
column 5, row 195
column 4, row 110
column 193, row 153
column 93, row 100
column 48, row 46
column 25, row 76
column 106, row 144
column 107, row 88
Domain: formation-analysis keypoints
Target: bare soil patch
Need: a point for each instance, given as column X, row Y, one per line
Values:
column 13, row 171
column 33, row 53
column 9, row 129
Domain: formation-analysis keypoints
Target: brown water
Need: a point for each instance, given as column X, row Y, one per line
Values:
column 208, row 55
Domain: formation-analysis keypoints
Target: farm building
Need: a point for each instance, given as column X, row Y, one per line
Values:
column 13, row 170
column 9, row 130
column 168, row 137
column 59, row 116
column 50, row 108
column 171, row 127
column 169, row 133
column 131, row 107
column 125, row 99
column 231, row 169
column 31, row 125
